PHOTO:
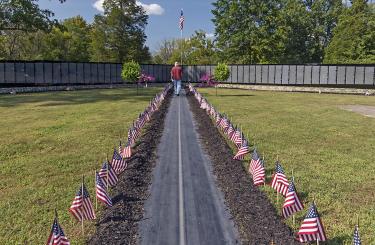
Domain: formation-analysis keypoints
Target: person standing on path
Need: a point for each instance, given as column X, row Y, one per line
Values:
column 176, row 77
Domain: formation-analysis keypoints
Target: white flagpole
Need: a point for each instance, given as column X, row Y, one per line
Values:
column 182, row 34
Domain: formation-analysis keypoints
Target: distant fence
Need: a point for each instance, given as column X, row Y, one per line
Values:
column 20, row 73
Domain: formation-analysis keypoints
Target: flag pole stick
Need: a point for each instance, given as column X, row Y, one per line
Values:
column 264, row 182
column 107, row 174
column 294, row 217
column 56, row 214
column 277, row 193
column 96, row 197
column 82, row 194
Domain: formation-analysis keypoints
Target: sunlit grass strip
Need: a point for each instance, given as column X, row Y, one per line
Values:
column 47, row 142
column 329, row 149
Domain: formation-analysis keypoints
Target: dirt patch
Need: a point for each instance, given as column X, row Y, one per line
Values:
column 255, row 217
column 365, row 110
column 119, row 224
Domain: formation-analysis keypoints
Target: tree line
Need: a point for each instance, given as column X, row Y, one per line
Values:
column 281, row 31
column 30, row 33
column 246, row 31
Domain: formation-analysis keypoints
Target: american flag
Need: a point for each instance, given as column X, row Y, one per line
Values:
column 127, row 151
column 230, row 130
column 242, row 151
column 101, row 192
column 255, row 160
column 257, row 169
column 292, row 203
column 118, row 163
column 238, row 138
column 120, row 147
column 356, row 238
column 82, row 208
column 107, row 172
column 57, row 236
column 181, row 20
column 312, row 228
column 279, row 181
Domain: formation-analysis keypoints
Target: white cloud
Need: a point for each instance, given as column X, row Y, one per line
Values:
column 99, row 5
column 150, row 9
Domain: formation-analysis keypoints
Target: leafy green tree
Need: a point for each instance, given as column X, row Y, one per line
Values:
column 24, row 15
column 354, row 36
column 69, row 42
column 198, row 49
column 131, row 71
column 221, row 73
column 121, row 32
column 274, row 31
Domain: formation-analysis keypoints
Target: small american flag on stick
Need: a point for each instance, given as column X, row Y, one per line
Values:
column 118, row 163
column 57, row 236
column 108, row 175
column 101, row 191
column 81, row 207
column 244, row 149
column 279, row 181
column 292, row 203
column 356, row 238
column 312, row 228
column 257, row 169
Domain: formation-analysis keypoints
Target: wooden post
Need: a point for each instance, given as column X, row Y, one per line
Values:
column 264, row 183
column 83, row 182
column 107, row 174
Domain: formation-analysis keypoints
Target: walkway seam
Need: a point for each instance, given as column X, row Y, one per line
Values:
column 180, row 181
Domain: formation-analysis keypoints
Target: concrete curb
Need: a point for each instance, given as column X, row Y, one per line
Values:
column 301, row 89
column 17, row 90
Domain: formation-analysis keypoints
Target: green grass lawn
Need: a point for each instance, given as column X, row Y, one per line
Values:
column 331, row 151
column 47, row 142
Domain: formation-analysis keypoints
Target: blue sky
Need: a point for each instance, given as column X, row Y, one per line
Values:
column 163, row 16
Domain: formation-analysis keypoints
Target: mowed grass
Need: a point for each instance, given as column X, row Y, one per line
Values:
column 330, row 150
column 47, row 142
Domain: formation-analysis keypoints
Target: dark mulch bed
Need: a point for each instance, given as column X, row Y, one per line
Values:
column 119, row 224
column 255, row 217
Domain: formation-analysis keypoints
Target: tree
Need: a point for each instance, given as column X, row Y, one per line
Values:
column 274, row 31
column 221, row 73
column 131, row 71
column 198, row 49
column 68, row 42
column 121, row 31
column 354, row 37
column 24, row 15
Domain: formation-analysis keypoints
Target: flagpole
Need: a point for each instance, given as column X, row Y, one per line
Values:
column 294, row 217
column 82, row 194
column 277, row 193
column 182, row 45
column 264, row 182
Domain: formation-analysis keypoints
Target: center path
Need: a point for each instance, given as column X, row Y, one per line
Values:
column 185, row 206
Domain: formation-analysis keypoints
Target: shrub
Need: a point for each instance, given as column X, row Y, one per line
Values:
column 131, row 71
column 221, row 72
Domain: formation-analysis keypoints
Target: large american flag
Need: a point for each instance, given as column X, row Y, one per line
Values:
column 81, row 207
column 257, row 169
column 108, row 173
column 312, row 228
column 181, row 20
column 279, row 181
column 118, row 163
column 101, row 191
column 292, row 203
column 244, row 149
column 57, row 236
column 356, row 238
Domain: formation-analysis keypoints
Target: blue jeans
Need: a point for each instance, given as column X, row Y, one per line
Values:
column 177, row 86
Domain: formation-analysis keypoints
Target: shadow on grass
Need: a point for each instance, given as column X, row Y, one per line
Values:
column 76, row 97
column 339, row 240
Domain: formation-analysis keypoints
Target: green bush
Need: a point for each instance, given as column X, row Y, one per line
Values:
column 131, row 71
column 221, row 72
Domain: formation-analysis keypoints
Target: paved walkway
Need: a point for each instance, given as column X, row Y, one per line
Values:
column 185, row 206
column 366, row 110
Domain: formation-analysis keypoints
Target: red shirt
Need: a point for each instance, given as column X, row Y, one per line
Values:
column 176, row 73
